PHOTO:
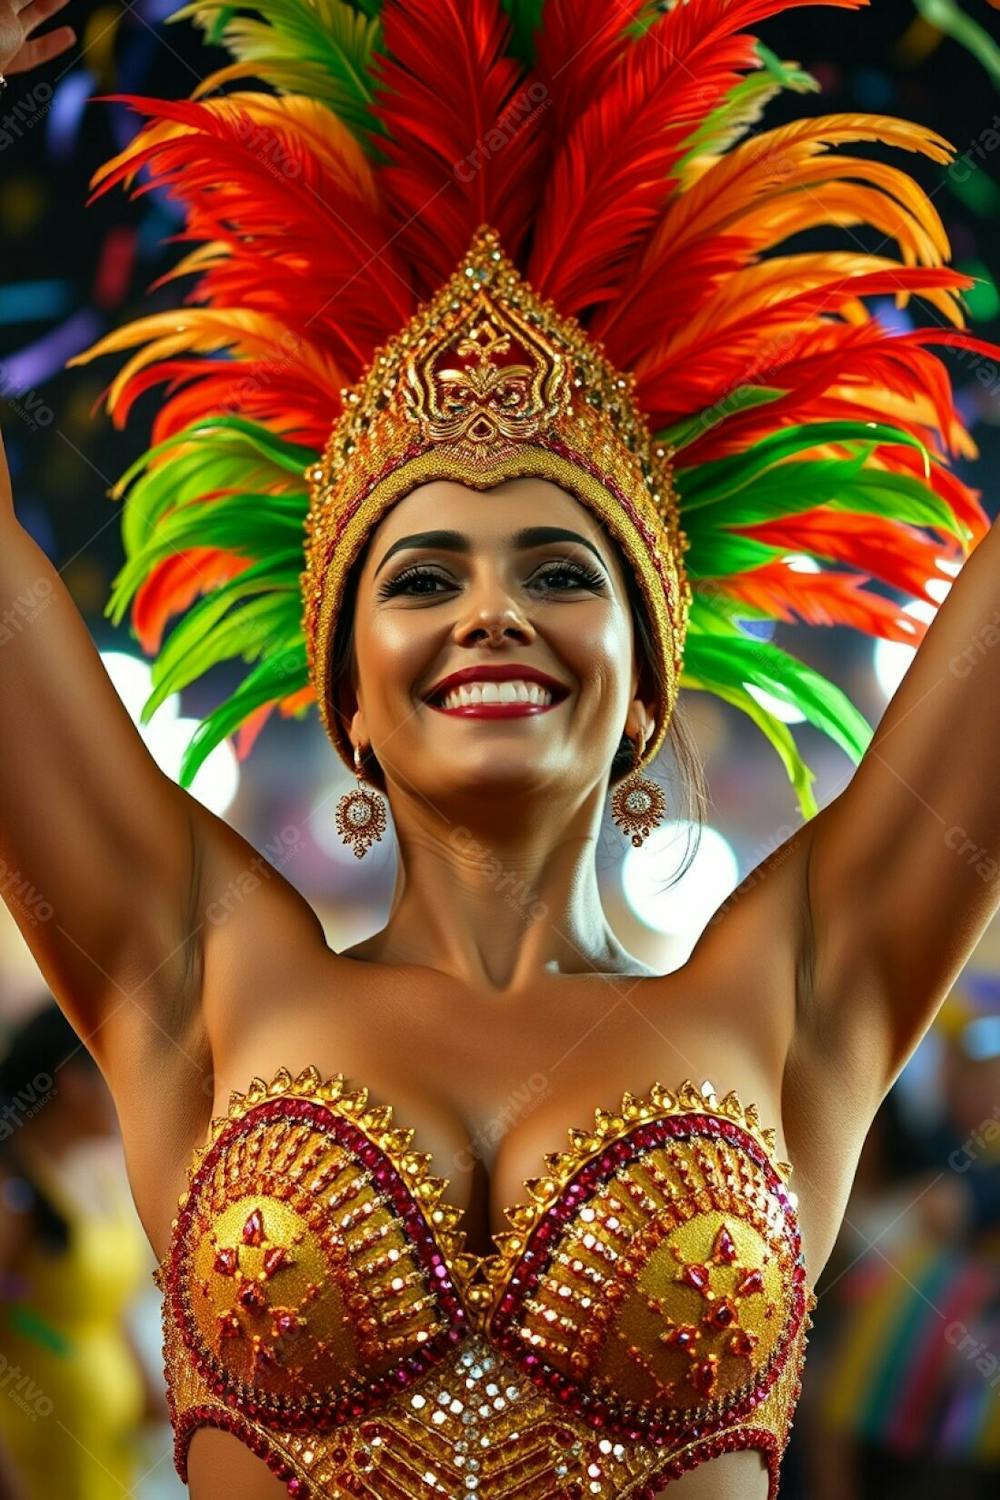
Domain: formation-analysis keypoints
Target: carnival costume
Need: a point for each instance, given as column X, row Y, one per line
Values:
column 470, row 240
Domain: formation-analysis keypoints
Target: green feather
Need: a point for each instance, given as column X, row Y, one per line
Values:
column 788, row 74
column 246, row 632
column 283, row 672
column 840, row 484
column 899, row 497
column 195, row 643
column 526, row 17
column 225, row 434
column 252, row 526
column 271, row 445
column 773, row 728
column 323, row 49
column 186, row 480
column 716, row 614
column 787, row 490
column 710, row 482
column 225, row 453
column 726, row 553
column 745, row 103
column 739, row 659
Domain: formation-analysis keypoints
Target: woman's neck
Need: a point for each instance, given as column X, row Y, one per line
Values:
column 498, row 913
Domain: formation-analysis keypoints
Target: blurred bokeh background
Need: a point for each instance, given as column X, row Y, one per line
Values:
column 902, row 1393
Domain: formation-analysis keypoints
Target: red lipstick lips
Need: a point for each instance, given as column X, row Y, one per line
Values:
column 495, row 709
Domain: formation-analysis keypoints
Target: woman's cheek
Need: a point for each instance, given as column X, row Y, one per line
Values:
column 595, row 647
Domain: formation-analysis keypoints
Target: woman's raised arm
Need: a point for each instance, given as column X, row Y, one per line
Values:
column 904, row 865
column 97, row 845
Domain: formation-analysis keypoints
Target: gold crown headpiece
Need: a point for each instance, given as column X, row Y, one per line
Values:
column 488, row 383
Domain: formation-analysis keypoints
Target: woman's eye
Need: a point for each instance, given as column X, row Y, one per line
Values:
column 421, row 581
column 564, row 575
column 412, row 581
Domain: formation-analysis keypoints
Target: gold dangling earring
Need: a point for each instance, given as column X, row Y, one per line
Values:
column 637, row 804
column 360, row 814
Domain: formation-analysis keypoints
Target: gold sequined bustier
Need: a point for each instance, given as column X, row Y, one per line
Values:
column 647, row 1310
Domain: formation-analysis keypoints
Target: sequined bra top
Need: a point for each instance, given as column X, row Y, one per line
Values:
column 647, row 1310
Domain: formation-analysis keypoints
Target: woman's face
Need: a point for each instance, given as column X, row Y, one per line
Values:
column 521, row 583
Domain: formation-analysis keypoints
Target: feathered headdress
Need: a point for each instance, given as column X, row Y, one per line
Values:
column 439, row 234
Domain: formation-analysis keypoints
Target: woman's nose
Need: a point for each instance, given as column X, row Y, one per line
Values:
column 492, row 611
column 492, row 628
column 492, row 620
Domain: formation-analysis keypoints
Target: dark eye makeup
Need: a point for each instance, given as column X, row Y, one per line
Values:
column 410, row 580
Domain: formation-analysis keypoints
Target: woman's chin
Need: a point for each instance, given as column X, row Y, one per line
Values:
column 493, row 770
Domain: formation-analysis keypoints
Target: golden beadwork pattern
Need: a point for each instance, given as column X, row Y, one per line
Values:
column 647, row 1310
column 488, row 383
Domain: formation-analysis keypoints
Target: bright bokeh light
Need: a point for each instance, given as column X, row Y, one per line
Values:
column 133, row 683
column 981, row 1038
column 938, row 587
column 891, row 659
column 217, row 779
column 786, row 712
column 167, row 735
column 683, row 909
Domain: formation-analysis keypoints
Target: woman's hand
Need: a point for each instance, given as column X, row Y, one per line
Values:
column 18, row 19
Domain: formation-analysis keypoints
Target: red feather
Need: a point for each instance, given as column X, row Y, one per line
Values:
column 466, row 139
column 666, row 371
column 302, row 229
column 830, row 372
column 613, row 172
column 891, row 551
column 577, row 49
column 300, row 409
column 793, row 594
column 174, row 584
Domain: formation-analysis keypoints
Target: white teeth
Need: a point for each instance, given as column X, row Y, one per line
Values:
column 497, row 692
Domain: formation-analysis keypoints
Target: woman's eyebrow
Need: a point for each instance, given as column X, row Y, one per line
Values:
column 454, row 541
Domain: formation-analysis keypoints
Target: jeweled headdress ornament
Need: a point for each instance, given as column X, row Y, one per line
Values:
column 487, row 383
column 496, row 238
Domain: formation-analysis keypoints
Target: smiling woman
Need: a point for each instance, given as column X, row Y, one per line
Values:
column 501, row 458
column 500, row 598
column 555, row 563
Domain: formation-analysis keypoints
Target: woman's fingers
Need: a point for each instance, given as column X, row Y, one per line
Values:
column 42, row 49
column 34, row 12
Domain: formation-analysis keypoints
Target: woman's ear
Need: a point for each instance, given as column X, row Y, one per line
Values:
column 640, row 722
column 346, row 706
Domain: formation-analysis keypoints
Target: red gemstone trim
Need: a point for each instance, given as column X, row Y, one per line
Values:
column 607, row 1412
column 323, row 1409
column 226, row 1421
column 732, row 1441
